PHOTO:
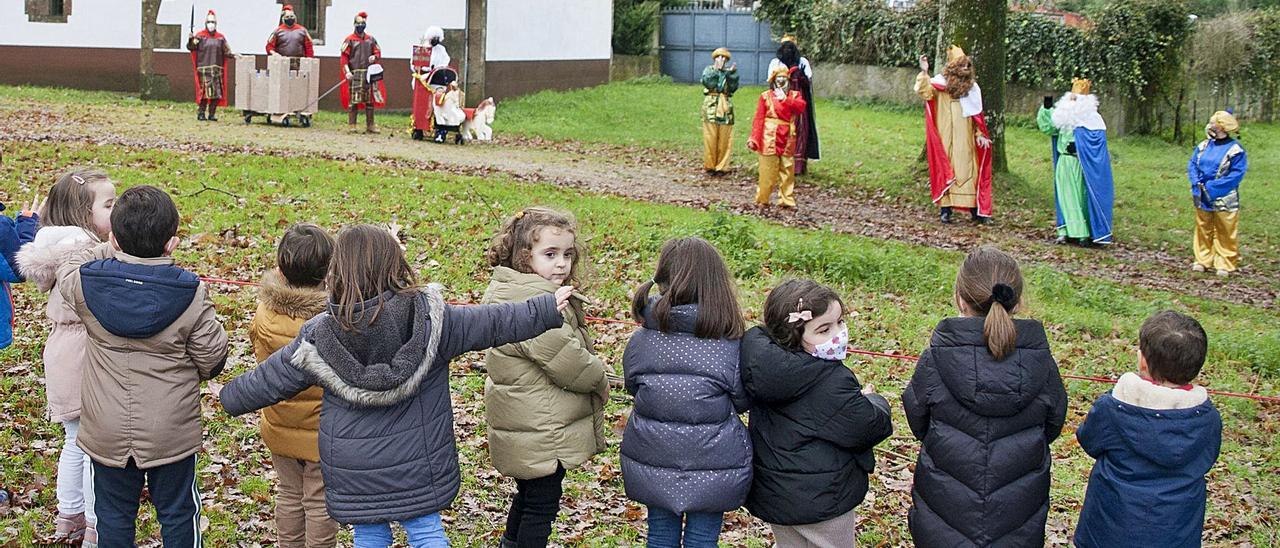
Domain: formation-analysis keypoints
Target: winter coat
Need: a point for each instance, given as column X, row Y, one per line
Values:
column 984, row 427
column 387, row 448
column 66, row 348
column 1154, row 446
column 684, row 448
column 290, row 428
column 13, row 234
column 544, row 400
column 153, row 337
column 812, row 430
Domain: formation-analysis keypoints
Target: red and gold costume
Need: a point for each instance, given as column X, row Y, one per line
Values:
column 773, row 138
column 959, row 169
column 290, row 40
column 359, row 51
column 209, row 54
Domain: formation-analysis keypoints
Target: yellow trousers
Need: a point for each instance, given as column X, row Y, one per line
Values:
column 1217, row 244
column 716, row 141
column 777, row 171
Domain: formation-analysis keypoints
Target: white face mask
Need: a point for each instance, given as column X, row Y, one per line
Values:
column 211, row 26
column 836, row 349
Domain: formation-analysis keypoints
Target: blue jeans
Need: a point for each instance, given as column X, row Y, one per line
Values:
column 424, row 532
column 701, row 529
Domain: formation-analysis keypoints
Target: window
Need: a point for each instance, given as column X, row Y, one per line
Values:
column 47, row 11
column 311, row 14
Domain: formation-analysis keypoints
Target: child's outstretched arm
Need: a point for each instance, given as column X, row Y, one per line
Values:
column 862, row 422
column 915, row 399
column 272, row 382
column 477, row 327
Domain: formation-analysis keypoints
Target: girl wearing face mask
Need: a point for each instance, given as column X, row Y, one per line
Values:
column 209, row 54
column 985, row 402
column 812, row 424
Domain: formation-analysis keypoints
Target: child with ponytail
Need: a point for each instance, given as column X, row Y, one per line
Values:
column 985, row 402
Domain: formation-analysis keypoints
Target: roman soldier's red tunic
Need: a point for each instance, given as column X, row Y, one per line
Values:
column 209, row 53
column 356, row 51
column 289, row 41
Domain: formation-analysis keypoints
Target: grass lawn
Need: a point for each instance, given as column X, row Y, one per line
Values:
column 897, row 292
column 870, row 148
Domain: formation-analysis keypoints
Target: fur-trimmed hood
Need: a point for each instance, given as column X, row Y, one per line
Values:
column 375, row 365
column 39, row 260
column 289, row 300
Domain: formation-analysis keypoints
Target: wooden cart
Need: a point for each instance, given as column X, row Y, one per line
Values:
column 287, row 90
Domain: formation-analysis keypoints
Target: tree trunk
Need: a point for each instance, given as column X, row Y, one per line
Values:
column 150, row 85
column 978, row 27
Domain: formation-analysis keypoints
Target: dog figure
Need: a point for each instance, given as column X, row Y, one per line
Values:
column 477, row 127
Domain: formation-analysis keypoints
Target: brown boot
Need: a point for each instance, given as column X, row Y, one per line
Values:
column 351, row 120
column 368, row 119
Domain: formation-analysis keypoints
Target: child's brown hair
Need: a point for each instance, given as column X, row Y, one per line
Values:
column 512, row 247
column 367, row 262
column 1174, row 346
column 691, row 271
column 70, row 200
column 796, row 296
column 304, row 254
column 989, row 283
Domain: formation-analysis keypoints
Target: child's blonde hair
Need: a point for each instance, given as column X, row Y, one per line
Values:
column 512, row 247
column 70, row 201
column 990, row 284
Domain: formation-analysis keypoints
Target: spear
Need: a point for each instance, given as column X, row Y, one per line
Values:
column 193, row 19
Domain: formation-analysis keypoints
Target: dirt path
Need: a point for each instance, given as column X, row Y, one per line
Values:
column 652, row 175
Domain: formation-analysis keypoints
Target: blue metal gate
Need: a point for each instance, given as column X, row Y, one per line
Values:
column 690, row 34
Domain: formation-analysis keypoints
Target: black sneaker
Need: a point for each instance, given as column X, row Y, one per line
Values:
column 200, row 116
column 945, row 215
column 213, row 118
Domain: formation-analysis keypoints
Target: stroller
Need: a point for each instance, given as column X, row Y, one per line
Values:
column 442, row 113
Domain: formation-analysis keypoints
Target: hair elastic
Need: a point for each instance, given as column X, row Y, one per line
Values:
column 1005, row 295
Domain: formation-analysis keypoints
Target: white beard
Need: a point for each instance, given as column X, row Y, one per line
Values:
column 1082, row 112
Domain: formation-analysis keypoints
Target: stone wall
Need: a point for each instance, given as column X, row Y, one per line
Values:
column 627, row 67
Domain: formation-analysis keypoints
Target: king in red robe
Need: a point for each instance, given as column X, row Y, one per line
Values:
column 957, row 142
column 209, row 53
column 773, row 137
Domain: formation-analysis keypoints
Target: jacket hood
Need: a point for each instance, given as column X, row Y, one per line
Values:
column 1171, row 438
column 136, row 298
column 289, row 300
column 382, row 362
column 776, row 375
column 985, row 386
column 39, row 260
column 682, row 318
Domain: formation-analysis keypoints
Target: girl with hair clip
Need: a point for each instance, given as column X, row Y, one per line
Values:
column 75, row 218
column 685, row 453
column 813, row 425
column 544, row 400
column 985, row 402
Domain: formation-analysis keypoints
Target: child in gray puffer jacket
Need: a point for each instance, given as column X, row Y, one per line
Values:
column 685, row 453
column 381, row 352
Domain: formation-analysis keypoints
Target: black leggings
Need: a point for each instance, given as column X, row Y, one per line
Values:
column 534, row 507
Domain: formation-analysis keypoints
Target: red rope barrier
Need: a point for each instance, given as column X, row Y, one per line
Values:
column 852, row 350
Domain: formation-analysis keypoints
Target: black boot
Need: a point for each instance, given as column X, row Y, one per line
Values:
column 978, row 219
column 946, row 215
column 213, row 111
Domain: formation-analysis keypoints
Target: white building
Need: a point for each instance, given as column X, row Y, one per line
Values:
column 503, row 47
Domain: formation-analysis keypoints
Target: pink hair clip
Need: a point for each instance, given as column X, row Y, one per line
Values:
column 803, row 315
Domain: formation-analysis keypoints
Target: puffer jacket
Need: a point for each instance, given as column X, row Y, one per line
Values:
column 684, row 448
column 812, row 431
column 66, row 348
column 1154, row 446
column 153, row 336
column 290, row 428
column 13, row 235
column 387, row 448
column 544, row 400
column 984, row 427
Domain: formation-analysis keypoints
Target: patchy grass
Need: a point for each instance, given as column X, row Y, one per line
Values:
column 874, row 148
column 897, row 292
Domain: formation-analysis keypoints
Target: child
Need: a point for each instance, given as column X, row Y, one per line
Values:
column 13, row 235
column 685, row 453
column 290, row 295
column 985, row 402
column 773, row 138
column 544, row 400
column 1155, row 436
column 381, row 353
column 76, row 217
column 812, row 424
column 152, row 338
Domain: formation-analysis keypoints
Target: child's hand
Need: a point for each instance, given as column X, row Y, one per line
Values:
column 562, row 297
column 753, row 146
column 35, row 207
column 869, row 389
column 215, row 388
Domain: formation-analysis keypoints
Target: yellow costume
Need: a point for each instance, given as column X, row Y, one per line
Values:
column 718, row 86
column 773, row 138
column 958, row 136
column 1217, row 167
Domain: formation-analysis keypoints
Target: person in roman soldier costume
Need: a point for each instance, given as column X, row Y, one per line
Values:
column 290, row 39
column 773, row 138
column 957, row 143
column 209, row 54
column 719, row 83
column 1083, row 187
column 801, row 74
column 359, row 52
